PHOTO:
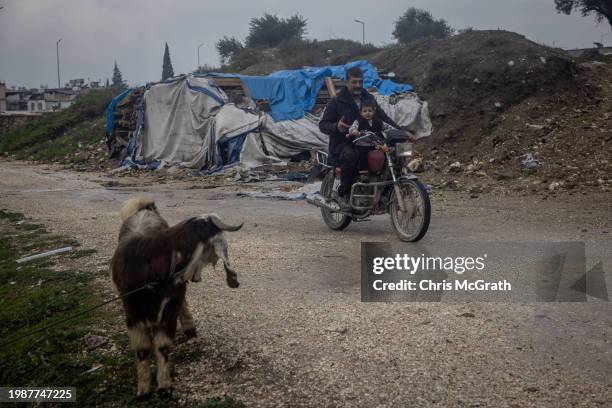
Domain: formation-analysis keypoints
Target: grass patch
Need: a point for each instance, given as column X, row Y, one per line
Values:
column 55, row 135
column 36, row 294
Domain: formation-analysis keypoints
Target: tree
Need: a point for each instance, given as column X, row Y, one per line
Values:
column 601, row 8
column 270, row 30
column 416, row 23
column 228, row 48
column 167, row 71
column 118, row 82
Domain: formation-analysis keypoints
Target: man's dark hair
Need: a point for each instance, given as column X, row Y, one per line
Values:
column 354, row 72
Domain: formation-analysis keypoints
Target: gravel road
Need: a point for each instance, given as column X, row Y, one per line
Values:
column 295, row 334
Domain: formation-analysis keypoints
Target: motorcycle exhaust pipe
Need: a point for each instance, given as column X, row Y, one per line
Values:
column 321, row 202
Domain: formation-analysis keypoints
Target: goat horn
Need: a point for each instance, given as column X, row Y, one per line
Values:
column 223, row 226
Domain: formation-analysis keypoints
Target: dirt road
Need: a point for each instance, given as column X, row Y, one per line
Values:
column 296, row 334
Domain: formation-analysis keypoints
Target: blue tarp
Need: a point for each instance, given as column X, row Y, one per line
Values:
column 110, row 110
column 293, row 92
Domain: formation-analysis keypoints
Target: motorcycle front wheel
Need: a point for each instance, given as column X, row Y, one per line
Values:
column 334, row 220
column 411, row 225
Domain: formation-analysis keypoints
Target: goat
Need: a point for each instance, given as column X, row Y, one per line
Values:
column 150, row 251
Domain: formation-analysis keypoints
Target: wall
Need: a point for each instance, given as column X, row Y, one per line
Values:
column 11, row 121
column 2, row 97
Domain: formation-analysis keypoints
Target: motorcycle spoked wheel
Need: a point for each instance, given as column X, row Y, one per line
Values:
column 411, row 227
column 334, row 220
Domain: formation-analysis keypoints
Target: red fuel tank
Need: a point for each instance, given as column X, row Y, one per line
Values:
column 376, row 161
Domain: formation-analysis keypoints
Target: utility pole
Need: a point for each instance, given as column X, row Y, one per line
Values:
column 199, row 46
column 362, row 30
column 58, row 71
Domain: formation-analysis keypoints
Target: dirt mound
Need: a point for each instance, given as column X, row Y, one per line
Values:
column 505, row 107
column 471, row 77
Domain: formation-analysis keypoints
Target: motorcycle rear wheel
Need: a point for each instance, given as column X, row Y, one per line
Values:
column 334, row 220
column 411, row 228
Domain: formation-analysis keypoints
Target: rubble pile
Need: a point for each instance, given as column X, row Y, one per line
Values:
column 507, row 110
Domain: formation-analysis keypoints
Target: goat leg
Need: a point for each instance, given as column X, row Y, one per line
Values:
column 231, row 276
column 162, row 343
column 186, row 320
column 141, row 343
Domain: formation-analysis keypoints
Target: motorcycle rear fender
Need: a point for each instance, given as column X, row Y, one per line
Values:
column 408, row 177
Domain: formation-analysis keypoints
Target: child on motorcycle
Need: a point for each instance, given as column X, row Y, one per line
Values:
column 366, row 132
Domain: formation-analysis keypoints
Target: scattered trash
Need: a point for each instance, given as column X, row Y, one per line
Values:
column 532, row 126
column 476, row 81
column 510, row 63
column 94, row 368
column 293, row 176
column 416, row 165
column 455, row 167
column 554, row 185
column 529, row 162
column 245, row 176
column 45, row 254
column 93, row 341
column 299, row 194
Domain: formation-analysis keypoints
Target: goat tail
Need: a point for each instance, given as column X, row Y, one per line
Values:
column 133, row 205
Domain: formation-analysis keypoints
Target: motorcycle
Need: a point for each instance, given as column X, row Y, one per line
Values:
column 387, row 186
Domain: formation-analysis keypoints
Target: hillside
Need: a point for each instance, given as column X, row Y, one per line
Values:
column 72, row 136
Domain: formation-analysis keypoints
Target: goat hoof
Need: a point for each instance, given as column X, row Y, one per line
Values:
column 191, row 333
column 165, row 392
column 143, row 396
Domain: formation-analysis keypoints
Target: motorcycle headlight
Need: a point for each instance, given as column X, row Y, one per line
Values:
column 404, row 150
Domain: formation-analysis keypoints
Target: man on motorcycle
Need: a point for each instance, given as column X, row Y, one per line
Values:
column 339, row 114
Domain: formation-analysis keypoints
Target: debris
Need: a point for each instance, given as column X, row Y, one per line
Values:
column 510, row 63
column 467, row 314
column 554, row 185
column 93, row 341
column 93, row 369
column 45, row 254
column 532, row 126
column 300, row 194
column 455, row 167
column 529, row 162
column 416, row 165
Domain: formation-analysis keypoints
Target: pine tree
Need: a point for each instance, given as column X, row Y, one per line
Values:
column 118, row 82
column 167, row 71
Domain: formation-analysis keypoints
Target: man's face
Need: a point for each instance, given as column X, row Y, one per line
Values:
column 354, row 86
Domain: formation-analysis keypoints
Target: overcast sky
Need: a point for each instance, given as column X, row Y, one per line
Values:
column 96, row 32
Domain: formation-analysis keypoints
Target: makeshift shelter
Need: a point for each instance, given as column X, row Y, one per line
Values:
column 215, row 120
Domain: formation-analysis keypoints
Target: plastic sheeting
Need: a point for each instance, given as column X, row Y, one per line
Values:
column 179, row 119
column 110, row 110
column 292, row 93
column 407, row 110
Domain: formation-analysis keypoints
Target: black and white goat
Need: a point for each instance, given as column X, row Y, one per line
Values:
column 152, row 252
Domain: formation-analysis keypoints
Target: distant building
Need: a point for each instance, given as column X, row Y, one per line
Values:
column 17, row 99
column 76, row 83
column 2, row 97
column 49, row 100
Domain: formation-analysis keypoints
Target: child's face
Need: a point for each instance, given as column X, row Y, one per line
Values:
column 367, row 112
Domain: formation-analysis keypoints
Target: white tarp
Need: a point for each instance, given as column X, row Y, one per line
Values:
column 407, row 110
column 178, row 119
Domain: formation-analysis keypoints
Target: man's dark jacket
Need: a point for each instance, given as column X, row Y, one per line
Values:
column 344, row 105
